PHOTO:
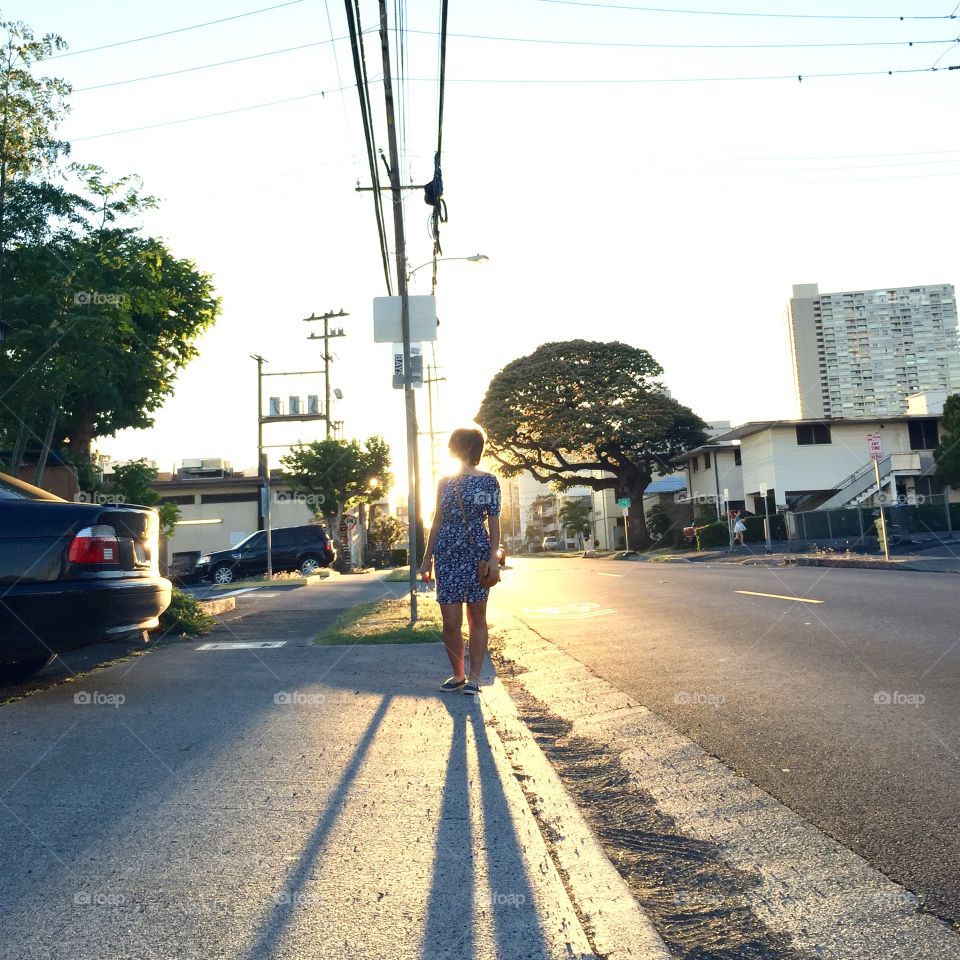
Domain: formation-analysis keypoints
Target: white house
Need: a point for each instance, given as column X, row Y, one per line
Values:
column 813, row 464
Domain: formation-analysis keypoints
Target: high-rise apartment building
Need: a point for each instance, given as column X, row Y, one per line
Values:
column 861, row 353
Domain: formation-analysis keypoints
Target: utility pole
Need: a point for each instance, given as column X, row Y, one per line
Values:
column 401, row 255
column 327, row 337
column 429, row 381
column 263, row 467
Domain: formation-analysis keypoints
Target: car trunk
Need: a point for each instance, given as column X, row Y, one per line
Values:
column 36, row 535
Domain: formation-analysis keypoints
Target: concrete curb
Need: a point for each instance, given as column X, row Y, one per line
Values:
column 216, row 607
column 616, row 926
column 855, row 564
column 829, row 901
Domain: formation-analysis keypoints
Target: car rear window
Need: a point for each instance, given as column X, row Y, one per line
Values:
column 11, row 489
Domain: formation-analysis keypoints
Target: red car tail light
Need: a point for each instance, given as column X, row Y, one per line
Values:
column 95, row 545
column 329, row 547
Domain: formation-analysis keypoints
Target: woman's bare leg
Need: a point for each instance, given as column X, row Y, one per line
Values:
column 452, row 614
column 479, row 637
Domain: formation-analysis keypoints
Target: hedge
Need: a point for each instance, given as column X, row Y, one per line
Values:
column 717, row 534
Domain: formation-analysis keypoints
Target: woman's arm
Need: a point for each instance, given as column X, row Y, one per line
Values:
column 432, row 539
column 493, row 526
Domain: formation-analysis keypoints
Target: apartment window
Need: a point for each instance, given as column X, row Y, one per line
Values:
column 813, row 433
column 695, row 464
column 923, row 434
column 706, row 461
column 251, row 497
column 737, row 458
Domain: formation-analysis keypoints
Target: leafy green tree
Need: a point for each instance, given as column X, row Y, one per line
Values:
column 574, row 516
column 947, row 452
column 388, row 530
column 584, row 413
column 334, row 475
column 659, row 523
column 31, row 107
column 131, row 483
column 101, row 319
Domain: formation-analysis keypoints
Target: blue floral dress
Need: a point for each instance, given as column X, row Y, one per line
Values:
column 454, row 556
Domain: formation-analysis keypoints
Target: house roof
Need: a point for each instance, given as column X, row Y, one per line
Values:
column 757, row 426
column 670, row 484
column 704, row 448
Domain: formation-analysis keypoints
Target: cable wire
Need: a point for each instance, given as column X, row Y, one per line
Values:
column 693, row 46
column 209, row 116
column 209, row 66
column 168, row 33
column 741, row 13
column 362, row 85
column 439, row 213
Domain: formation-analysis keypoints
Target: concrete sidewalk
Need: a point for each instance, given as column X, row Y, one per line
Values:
column 289, row 802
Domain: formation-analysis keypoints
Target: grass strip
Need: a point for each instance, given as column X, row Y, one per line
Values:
column 385, row 621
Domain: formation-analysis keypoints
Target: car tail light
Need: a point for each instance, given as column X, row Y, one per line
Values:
column 329, row 547
column 95, row 545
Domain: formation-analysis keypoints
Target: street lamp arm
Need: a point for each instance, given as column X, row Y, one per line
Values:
column 476, row 258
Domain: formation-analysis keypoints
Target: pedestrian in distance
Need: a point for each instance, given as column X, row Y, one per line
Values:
column 739, row 529
column 463, row 546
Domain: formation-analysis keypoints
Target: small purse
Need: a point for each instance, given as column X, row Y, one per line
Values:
column 486, row 581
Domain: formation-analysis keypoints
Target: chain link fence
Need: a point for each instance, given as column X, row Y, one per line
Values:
column 932, row 515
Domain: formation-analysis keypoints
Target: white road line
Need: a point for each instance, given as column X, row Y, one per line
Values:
column 242, row 645
column 599, row 574
column 777, row 596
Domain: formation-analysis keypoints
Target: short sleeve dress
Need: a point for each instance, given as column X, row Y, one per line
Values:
column 455, row 557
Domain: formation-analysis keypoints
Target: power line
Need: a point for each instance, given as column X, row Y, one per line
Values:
column 693, row 46
column 208, row 66
column 363, row 91
column 542, row 81
column 209, row 116
column 643, row 80
column 949, row 43
column 168, row 33
column 741, row 13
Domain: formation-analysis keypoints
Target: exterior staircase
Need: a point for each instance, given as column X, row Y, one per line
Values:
column 862, row 484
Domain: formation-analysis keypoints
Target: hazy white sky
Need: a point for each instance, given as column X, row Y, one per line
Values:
column 618, row 193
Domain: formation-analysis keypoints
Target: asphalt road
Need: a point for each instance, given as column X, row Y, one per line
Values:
column 846, row 709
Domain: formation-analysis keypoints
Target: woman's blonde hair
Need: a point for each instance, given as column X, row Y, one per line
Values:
column 467, row 444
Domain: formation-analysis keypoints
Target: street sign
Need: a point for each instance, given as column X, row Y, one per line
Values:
column 387, row 325
column 625, row 511
column 875, row 446
column 416, row 366
column 726, row 493
column 349, row 520
column 763, row 490
column 624, row 502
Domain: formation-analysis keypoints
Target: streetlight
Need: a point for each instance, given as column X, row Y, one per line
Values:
column 476, row 258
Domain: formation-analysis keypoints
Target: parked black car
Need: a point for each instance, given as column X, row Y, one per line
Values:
column 305, row 549
column 72, row 574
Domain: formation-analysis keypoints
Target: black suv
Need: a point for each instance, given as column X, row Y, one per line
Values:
column 305, row 549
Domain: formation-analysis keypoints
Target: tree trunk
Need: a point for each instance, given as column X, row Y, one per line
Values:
column 634, row 487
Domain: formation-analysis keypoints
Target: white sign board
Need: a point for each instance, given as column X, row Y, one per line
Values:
column 875, row 446
column 763, row 490
column 416, row 366
column 387, row 323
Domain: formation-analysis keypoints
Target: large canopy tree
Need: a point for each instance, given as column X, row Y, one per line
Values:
column 584, row 413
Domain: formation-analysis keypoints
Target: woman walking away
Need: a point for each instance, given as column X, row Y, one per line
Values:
column 739, row 529
column 463, row 548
